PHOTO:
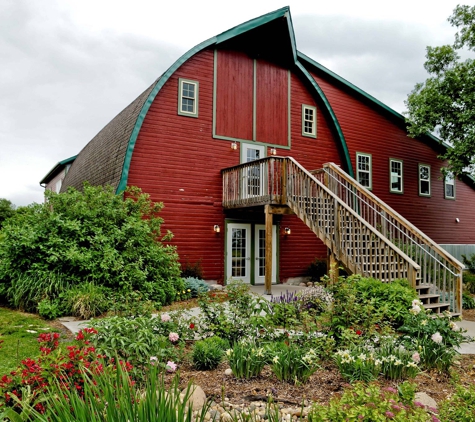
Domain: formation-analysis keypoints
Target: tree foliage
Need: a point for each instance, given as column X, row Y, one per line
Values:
column 89, row 236
column 7, row 209
column 445, row 102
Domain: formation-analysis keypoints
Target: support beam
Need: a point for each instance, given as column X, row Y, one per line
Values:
column 268, row 252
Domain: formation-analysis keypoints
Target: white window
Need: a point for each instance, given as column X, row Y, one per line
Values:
column 188, row 98
column 424, row 180
column 449, row 186
column 395, row 174
column 309, row 121
column 58, row 185
column 363, row 169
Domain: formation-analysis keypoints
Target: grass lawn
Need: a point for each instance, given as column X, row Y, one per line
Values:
column 19, row 332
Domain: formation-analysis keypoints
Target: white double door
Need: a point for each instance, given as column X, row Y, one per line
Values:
column 245, row 246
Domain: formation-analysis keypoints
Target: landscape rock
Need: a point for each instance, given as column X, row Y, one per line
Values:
column 197, row 397
column 215, row 287
column 228, row 371
column 426, row 400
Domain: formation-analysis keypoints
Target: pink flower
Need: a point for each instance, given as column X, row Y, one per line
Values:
column 436, row 337
column 416, row 357
column 153, row 360
column 390, row 415
column 171, row 366
column 165, row 317
column 173, row 337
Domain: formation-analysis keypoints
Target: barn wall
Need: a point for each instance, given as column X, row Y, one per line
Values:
column 177, row 161
column 369, row 131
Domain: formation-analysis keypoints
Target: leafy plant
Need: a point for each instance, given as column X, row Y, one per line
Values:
column 86, row 300
column 246, row 359
column 91, row 236
column 460, row 406
column 49, row 309
column 469, row 262
column 468, row 302
column 208, row 353
column 197, row 286
column 192, row 270
column 316, row 270
column 368, row 403
column 357, row 365
column 130, row 304
column 469, row 281
column 292, row 363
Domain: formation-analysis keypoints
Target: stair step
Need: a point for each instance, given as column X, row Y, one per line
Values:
column 437, row 308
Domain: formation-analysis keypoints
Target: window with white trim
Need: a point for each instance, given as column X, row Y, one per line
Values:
column 363, row 169
column 449, row 183
column 309, row 121
column 424, row 180
column 395, row 175
column 188, row 97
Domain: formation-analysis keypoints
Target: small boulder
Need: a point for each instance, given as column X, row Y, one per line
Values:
column 197, row 398
column 228, row 372
column 426, row 400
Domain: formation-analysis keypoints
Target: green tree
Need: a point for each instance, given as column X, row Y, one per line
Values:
column 89, row 236
column 445, row 102
column 7, row 209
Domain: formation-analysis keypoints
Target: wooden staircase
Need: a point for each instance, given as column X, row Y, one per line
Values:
column 369, row 239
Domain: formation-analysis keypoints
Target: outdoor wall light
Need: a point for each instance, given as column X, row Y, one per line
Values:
column 216, row 228
column 287, row 230
column 234, row 146
column 457, row 220
column 273, row 151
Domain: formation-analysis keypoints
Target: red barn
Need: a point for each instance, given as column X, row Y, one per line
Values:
column 234, row 137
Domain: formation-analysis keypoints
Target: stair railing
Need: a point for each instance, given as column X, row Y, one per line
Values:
column 353, row 241
column 440, row 271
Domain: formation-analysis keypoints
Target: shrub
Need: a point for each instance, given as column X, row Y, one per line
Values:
column 208, row 353
column 469, row 262
column 130, row 304
column 460, row 406
column 192, row 270
column 196, row 285
column 86, row 300
column 468, row 302
column 48, row 309
column 368, row 403
column 469, row 281
column 94, row 236
column 435, row 337
column 316, row 270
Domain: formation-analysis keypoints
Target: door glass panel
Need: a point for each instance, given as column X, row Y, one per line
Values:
column 261, row 253
column 238, row 253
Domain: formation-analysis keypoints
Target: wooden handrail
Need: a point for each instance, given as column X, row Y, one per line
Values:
column 435, row 261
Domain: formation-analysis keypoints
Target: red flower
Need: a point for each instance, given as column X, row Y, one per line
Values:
column 358, row 332
column 192, row 325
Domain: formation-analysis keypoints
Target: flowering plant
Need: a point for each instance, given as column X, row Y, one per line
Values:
column 246, row 359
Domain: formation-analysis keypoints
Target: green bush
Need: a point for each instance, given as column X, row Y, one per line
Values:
column 192, row 270
column 368, row 402
column 48, row 309
column 196, row 285
column 459, row 407
column 208, row 353
column 469, row 281
column 469, row 262
column 94, row 236
column 468, row 302
column 316, row 270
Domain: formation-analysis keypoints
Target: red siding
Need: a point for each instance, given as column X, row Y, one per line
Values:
column 271, row 104
column 368, row 131
column 234, row 95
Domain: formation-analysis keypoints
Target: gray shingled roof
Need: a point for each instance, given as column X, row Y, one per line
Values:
column 100, row 162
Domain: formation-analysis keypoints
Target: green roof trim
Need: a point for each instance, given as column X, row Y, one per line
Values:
column 57, row 167
column 148, row 102
column 336, row 123
column 233, row 32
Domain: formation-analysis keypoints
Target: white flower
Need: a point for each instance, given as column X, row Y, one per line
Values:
column 436, row 337
column 424, row 322
column 416, row 302
column 416, row 357
column 228, row 352
column 165, row 317
column 31, row 331
column 453, row 326
column 275, row 359
column 153, row 360
column 398, row 362
column 411, row 365
column 415, row 309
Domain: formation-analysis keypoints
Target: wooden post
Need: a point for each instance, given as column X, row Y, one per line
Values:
column 268, row 252
column 283, row 197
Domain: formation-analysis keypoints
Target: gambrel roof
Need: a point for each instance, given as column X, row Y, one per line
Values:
column 106, row 158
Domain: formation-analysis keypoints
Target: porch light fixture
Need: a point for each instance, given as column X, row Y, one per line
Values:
column 273, row 151
column 234, row 146
column 287, row 230
column 216, row 228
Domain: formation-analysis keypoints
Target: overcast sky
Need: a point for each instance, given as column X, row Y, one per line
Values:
column 67, row 67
